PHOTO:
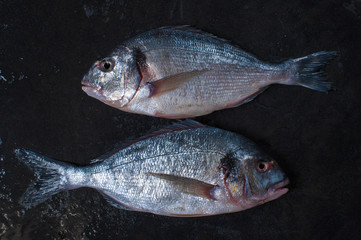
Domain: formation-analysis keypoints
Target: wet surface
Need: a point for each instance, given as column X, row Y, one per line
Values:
column 46, row 48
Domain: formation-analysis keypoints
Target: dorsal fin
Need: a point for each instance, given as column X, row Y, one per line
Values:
column 177, row 126
column 98, row 160
column 188, row 28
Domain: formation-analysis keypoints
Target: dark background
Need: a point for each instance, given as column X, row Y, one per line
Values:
column 47, row 46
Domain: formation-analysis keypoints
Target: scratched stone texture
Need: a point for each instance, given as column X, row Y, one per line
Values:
column 47, row 46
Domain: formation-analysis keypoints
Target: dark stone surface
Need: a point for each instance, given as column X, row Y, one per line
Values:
column 47, row 46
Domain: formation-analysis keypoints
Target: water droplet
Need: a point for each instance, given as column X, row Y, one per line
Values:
column 2, row 77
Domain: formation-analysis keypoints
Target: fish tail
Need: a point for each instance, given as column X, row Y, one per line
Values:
column 50, row 177
column 309, row 72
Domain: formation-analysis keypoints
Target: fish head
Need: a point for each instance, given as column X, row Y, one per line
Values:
column 113, row 80
column 254, row 180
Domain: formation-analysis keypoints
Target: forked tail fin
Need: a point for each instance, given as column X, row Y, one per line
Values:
column 50, row 177
column 309, row 72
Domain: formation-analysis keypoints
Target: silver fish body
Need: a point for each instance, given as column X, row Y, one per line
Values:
column 186, row 170
column 181, row 72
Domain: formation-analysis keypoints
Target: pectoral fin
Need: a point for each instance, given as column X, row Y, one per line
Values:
column 173, row 82
column 189, row 185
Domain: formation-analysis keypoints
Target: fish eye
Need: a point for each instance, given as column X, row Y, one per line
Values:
column 264, row 166
column 107, row 65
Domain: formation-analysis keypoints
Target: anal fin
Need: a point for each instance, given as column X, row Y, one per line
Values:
column 111, row 200
column 246, row 100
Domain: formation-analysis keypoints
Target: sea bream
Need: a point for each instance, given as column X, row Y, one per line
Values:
column 185, row 170
column 180, row 72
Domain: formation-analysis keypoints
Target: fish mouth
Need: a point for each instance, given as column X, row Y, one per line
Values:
column 97, row 92
column 92, row 90
column 278, row 189
column 88, row 85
